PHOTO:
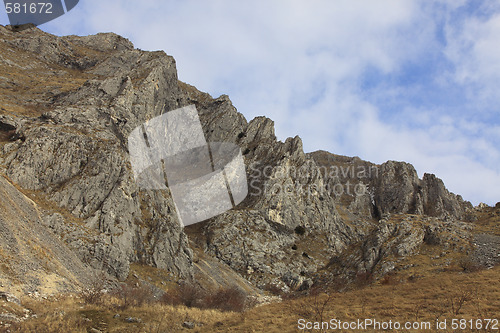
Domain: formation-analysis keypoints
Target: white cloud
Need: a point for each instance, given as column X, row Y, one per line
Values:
column 473, row 48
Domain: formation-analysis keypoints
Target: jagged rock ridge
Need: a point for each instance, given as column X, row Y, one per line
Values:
column 393, row 187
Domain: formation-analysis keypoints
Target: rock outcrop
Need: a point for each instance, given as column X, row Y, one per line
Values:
column 392, row 187
column 390, row 245
column 257, row 238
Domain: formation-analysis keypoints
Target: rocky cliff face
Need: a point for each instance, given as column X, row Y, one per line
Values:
column 388, row 247
column 71, row 145
column 68, row 105
column 393, row 187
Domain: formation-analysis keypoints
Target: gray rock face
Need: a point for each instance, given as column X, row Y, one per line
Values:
column 487, row 250
column 394, row 187
column 399, row 190
column 394, row 239
column 75, row 152
column 256, row 239
column 285, row 195
column 9, row 298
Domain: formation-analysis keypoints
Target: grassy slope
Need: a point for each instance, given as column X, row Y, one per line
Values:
column 426, row 299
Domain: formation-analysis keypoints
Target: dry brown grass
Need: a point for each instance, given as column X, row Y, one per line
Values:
column 72, row 314
column 444, row 296
column 158, row 277
column 448, row 295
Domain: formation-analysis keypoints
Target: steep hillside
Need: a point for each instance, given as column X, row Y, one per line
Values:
column 32, row 258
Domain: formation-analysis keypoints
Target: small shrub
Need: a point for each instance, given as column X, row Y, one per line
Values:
column 93, row 294
column 320, row 302
column 469, row 266
column 364, row 279
column 458, row 301
column 170, row 298
column 390, row 279
column 226, row 299
column 133, row 296
column 186, row 294
column 191, row 295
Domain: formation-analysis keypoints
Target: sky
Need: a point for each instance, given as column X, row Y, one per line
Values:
column 414, row 81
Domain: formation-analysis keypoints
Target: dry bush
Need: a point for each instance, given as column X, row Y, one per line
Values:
column 93, row 294
column 364, row 279
column 320, row 303
column 459, row 300
column 390, row 279
column 191, row 295
column 171, row 297
column 226, row 299
column 469, row 266
column 129, row 296
column 186, row 294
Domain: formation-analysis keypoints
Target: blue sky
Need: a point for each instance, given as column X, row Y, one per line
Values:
column 415, row 81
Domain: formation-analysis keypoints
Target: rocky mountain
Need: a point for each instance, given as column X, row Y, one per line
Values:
column 67, row 107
